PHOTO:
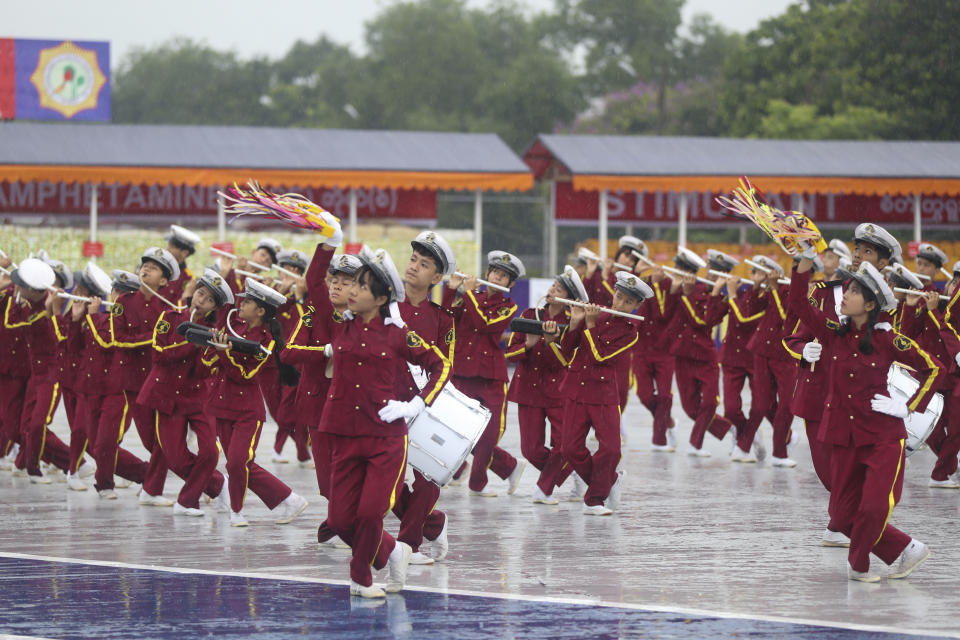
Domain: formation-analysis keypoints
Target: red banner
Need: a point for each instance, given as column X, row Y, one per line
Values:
column 661, row 207
column 183, row 200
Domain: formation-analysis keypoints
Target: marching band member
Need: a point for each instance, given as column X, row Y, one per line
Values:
column 831, row 259
column 329, row 279
column 698, row 374
column 264, row 254
column 366, row 425
column 930, row 261
column 431, row 260
column 176, row 390
column 653, row 366
column 535, row 386
column 40, row 331
column 743, row 312
column 774, row 373
column 872, row 244
column 592, row 344
column 281, row 399
column 14, row 373
column 868, row 440
column 480, row 368
column 236, row 403
column 924, row 323
column 181, row 243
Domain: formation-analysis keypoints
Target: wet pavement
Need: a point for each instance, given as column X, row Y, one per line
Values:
column 701, row 547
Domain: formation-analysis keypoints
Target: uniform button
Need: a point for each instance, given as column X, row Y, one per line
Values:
column 851, row 375
column 363, row 344
column 357, row 408
column 358, row 386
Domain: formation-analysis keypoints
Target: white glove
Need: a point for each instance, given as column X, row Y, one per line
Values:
column 812, row 351
column 808, row 249
column 890, row 406
column 958, row 358
column 337, row 238
column 396, row 409
column 328, row 350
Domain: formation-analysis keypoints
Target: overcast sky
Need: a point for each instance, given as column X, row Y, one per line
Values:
column 260, row 28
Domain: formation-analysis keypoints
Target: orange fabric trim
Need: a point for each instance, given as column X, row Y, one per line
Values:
column 861, row 186
column 216, row 176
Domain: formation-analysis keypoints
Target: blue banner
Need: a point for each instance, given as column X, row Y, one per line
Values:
column 62, row 80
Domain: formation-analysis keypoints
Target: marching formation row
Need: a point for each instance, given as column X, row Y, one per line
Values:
column 347, row 353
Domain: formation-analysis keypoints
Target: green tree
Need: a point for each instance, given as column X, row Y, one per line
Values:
column 184, row 82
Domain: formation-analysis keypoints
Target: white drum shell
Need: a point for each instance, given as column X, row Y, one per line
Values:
column 901, row 384
column 444, row 434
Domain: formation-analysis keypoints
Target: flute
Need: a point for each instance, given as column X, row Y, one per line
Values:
column 946, row 273
column 250, row 274
column 255, row 265
column 721, row 274
column 922, row 277
column 483, row 282
column 758, row 267
column 178, row 307
column 914, row 292
column 622, row 314
column 622, row 266
column 686, row 273
column 70, row 296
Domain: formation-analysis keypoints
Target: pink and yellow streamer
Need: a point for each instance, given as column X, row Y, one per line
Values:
column 290, row 208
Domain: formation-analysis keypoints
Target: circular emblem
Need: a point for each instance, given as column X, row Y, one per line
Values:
column 163, row 326
column 68, row 79
column 116, row 309
column 413, row 340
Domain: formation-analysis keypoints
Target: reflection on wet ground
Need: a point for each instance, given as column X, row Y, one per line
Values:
column 695, row 541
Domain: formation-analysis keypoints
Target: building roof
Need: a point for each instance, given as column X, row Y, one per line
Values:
column 713, row 164
column 217, row 155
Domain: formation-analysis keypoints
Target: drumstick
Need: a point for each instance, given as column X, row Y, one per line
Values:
column 162, row 299
column 721, row 274
column 486, row 283
column 70, row 296
column 622, row 314
column 687, row 273
column 914, row 292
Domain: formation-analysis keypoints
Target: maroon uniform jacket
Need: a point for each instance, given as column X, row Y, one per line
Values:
column 540, row 370
column 767, row 340
column 481, row 319
column 177, row 382
column 127, row 329
column 855, row 377
column 654, row 327
column 691, row 331
column 40, row 333
column 743, row 316
column 594, row 355
column 435, row 325
column 366, row 358
column 174, row 289
column 16, row 361
column 234, row 393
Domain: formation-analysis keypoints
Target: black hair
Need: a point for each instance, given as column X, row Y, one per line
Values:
column 419, row 249
column 866, row 342
column 289, row 376
column 183, row 246
column 512, row 277
column 883, row 252
column 273, row 254
column 164, row 268
column 377, row 287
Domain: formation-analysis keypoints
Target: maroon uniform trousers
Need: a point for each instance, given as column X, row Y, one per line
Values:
column 198, row 471
column 868, row 446
column 697, row 371
column 13, row 391
column 239, row 438
column 736, row 361
column 14, row 372
column 480, row 371
column 108, row 418
column 599, row 470
column 652, row 365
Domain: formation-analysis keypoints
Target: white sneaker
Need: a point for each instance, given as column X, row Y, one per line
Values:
column 420, row 558
column 121, row 483
column 578, row 490
column 87, row 470
column 596, row 510
column 307, row 464
column 238, row 519
column 279, row 458
column 6, row 463
column 909, row 559
column 672, row 438
column 222, row 500
column 373, row 591
column 698, row 453
column 441, row 546
column 180, row 510
column 397, row 567
column 148, row 500
column 42, row 479
column 623, row 435
column 75, row 484
column 20, row 473
column 787, row 463
column 662, row 447
column 949, row 483
column 739, row 455
column 107, row 494
column 456, row 482
column 861, row 576
column 758, row 449
column 514, row 478
column 336, row 542
column 616, row 491
column 539, row 497
column 729, row 441
column 484, row 493
column 834, row 539
column 292, row 506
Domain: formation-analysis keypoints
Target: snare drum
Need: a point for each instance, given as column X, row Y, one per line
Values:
column 444, row 434
column 901, row 384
